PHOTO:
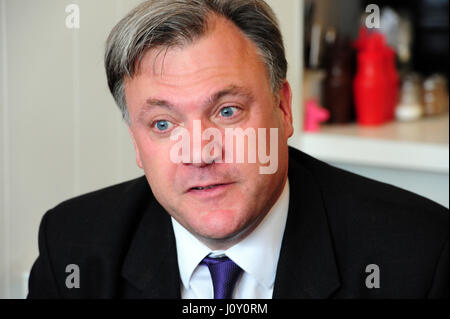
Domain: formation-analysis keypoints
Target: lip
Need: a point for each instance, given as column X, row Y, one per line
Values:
column 218, row 189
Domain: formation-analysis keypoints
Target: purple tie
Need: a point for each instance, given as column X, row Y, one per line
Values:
column 224, row 274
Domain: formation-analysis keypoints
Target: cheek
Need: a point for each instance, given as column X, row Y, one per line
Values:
column 268, row 116
column 155, row 157
column 153, row 151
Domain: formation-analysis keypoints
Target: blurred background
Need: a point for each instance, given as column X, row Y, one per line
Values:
column 369, row 78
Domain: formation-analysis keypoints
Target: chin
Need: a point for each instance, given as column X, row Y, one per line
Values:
column 220, row 224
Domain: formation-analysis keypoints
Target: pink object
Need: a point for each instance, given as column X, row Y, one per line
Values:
column 314, row 115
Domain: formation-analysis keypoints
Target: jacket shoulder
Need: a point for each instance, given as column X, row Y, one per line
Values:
column 343, row 190
column 372, row 222
column 95, row 216
column 93, row 233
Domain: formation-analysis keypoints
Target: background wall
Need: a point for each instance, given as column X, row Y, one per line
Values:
column 61, row 134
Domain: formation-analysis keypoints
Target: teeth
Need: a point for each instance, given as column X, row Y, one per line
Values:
column 202, row 188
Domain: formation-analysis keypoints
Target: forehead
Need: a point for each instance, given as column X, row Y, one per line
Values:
column 223, row 50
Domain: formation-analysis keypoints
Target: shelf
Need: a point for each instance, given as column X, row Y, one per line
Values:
column 422, row 145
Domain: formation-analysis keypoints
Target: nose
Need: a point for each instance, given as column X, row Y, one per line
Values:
column 206, row 144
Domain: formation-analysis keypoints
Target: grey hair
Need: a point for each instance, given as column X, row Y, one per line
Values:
column 169, row 23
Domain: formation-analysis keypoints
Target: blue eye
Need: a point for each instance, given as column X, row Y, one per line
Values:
column 227, row 111
column 162, row 125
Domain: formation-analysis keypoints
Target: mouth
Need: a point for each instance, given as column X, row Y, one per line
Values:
column 207, row 187
column 210, row 188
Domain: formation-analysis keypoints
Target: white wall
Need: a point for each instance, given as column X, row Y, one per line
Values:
column 290, row 16
column 60, row 132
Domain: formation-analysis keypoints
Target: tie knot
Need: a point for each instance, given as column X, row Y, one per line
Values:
column 224, row 275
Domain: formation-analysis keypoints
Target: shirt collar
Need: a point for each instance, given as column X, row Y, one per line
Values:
column 261, row 247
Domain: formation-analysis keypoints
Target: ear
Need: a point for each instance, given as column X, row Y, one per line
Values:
column 285, row 106
column 136, row 149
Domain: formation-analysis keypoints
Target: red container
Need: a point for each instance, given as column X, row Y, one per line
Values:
column 376, row 83
column 370, row 87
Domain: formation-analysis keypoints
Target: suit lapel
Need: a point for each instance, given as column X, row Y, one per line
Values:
column 307, row 266
column 151, row 265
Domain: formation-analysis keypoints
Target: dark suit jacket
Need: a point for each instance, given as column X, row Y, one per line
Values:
column 338, row 223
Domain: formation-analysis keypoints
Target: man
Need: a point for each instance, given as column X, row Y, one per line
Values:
column 186, row 74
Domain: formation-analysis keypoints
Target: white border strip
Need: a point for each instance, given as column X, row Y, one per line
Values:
column 76, row 109
column 6, row 236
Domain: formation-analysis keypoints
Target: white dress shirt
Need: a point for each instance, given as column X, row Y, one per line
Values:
column 257, row 255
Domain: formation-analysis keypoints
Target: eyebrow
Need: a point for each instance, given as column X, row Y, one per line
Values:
column 232, row 90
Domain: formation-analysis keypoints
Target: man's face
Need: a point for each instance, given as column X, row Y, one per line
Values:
column 221, row 81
